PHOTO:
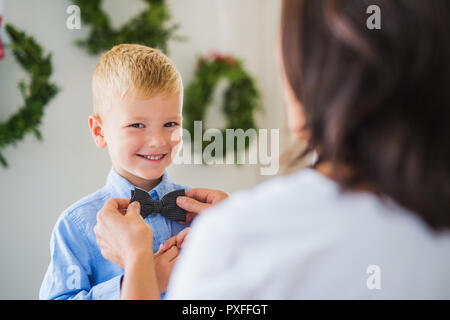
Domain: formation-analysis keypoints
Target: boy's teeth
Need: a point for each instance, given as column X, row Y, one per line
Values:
column 153, row 158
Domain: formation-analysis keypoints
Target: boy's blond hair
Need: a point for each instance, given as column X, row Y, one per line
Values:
column 133, row 69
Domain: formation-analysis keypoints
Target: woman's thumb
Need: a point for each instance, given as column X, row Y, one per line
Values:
column 134, row 208
column 191, row 205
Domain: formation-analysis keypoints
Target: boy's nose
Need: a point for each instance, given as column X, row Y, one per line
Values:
column 155, row 139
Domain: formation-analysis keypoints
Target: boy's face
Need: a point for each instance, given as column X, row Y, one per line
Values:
column 142, row 135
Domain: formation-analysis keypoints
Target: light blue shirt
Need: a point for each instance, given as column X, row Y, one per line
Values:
column 77, row 268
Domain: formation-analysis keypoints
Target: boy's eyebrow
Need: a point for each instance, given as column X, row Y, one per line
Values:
column 137, row 118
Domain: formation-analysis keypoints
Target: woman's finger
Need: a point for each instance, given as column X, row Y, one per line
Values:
column 111, row 208
column 117, row 203
column 210, row 196
column 200, row 194
column 134, row 209
column 189, row 217
column 191, row 205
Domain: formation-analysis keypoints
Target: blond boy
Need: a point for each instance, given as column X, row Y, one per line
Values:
column 137, row 95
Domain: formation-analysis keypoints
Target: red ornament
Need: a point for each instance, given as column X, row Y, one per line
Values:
column 218, row 57
column 231, row 61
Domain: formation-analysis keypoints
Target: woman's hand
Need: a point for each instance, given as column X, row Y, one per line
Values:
column 199, row 199
column 123, row 237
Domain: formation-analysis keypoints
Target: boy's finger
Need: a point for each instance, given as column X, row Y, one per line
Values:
column 180, row 241
column 160, row 251
column 182, row 234
column 173, row 261
column 169, row 243
column 171, row 253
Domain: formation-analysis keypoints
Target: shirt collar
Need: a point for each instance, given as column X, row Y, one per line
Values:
column 121, row 187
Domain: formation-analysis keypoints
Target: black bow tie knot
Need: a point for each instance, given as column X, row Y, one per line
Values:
column 167, row 206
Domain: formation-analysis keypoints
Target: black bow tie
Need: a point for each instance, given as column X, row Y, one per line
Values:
column 167, row 206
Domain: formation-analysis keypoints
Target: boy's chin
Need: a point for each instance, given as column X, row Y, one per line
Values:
column 151, row 174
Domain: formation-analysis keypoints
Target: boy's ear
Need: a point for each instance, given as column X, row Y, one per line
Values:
column 96, row 126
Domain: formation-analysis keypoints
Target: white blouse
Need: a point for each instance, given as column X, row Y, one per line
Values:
column 301, row 237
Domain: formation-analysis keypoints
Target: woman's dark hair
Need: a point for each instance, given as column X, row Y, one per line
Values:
column 376, row 101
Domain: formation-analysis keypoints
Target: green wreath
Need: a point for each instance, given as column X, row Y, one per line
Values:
column 241, row 98
column 36, row 94
column 147, row 28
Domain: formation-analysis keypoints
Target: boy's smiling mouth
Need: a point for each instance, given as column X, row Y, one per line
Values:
column 152, row 157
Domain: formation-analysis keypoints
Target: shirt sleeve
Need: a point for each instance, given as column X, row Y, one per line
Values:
column 67, row 276
column 211, row 244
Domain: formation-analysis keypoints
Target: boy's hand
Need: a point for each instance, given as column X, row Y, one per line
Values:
column 199, row 199
column 177, row 240
column 166, row 257
column 164, row 263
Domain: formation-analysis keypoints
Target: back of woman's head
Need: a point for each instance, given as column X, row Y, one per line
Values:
column 376, row 101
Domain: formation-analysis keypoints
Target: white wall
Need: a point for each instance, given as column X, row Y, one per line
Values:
column 44, row 178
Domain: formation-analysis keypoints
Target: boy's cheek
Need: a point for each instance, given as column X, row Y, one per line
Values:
column 175, row 136
column 175, row 143
column 128, row 141
column 175, row 139
column 174, row 150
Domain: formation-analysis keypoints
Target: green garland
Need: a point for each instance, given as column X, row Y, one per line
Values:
column 241, row 98
column 147, row 28
column 36, row 94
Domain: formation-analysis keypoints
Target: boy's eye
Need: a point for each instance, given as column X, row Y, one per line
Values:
column 170, row 124
column 137, row 125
